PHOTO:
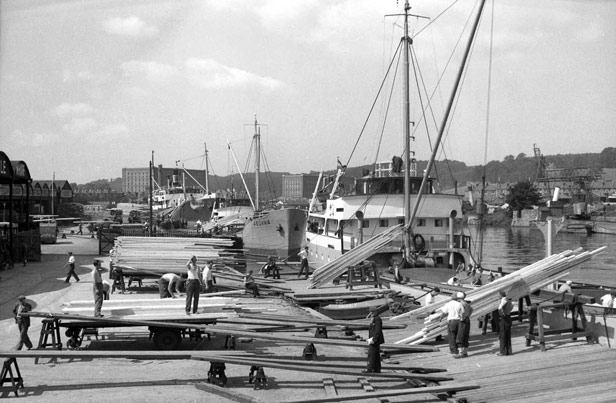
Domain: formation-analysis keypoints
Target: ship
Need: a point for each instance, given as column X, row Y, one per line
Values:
column 273, row 231
column 431, row 233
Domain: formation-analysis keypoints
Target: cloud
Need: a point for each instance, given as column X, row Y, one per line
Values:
column 130, row 26
column 208, row 73
column 67, row 110
column 153, row 71
column 111, row 133
column 80, row 125
column 277, row 12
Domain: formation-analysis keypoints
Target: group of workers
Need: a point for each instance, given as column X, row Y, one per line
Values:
column 196, row 279
column 459, row 310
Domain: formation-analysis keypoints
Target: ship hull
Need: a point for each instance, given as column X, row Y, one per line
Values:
column 275, row 232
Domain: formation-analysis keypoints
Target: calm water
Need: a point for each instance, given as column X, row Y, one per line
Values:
column 514, row 248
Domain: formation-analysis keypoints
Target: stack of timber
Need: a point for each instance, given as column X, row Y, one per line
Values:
column 168, row 308
column 327, row 273
column 485, row 299
column 170, row 255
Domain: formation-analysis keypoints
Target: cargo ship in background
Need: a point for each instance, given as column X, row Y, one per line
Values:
column 273, row 230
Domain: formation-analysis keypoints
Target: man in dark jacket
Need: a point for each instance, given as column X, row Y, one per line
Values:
column 23, row 322
column 375, row 339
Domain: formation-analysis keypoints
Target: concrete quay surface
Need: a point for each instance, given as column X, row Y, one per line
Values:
column 117, row 379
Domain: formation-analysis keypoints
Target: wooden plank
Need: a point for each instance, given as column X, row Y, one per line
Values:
column 365, row 385
column 328, row 364
column 183, row 323
column 390, row 393
column 302, row 367
column 355, row 324
column 226, row 393
column 131, row 355
column 330, row 387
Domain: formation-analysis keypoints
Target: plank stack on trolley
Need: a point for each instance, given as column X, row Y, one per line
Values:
column 170, row 255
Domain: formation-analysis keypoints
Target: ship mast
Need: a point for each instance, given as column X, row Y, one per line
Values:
column 257, row 140
column 407, row 130
column 207, row 172
column 443, row 124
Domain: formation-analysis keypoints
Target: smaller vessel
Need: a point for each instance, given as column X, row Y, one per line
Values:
column 354, row 310
column 275, row 231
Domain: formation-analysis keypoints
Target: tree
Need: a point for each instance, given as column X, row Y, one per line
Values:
column 523, row 195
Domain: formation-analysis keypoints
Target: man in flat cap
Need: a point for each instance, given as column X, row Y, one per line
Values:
column 23, row 322
column 375, row 339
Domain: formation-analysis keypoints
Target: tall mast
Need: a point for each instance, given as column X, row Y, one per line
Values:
column 257, row 140
column 207, row 172
column 407, row 130
column 446, row 116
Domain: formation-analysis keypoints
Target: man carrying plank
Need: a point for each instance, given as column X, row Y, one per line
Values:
column 454, row 311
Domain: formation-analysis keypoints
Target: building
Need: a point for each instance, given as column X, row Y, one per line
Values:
column 137, row 180
column 298, row 186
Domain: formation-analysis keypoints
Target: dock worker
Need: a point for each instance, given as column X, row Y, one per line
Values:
column 566, row 288
column 98, row 288
column 193, row 285
column 208, row 277
column 23, row 322
column 169, row 285
column 270, row 268
column 454, row 281
column 504, row 332
column 249, row 283
column 303, row 254
column 465, row 327
column 454, row 311
column 375, row 339
column 431, row 295
column 71, row 268
column 609, row 300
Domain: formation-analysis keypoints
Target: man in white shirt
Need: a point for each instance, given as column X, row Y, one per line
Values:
column 71, row 268
column 566, row 288
column 609, row 300
column 431, row 295
column 208, row 278
column 454, row 311
column 193, row 285
column 169, row 285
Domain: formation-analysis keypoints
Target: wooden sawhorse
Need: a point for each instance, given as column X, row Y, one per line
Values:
column 10, row 373
column 536, row 317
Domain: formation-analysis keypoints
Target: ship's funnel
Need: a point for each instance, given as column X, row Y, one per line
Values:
column 556, row 194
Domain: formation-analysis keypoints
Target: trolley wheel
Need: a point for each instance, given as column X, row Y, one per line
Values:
column 167, row 339
column 73, row 343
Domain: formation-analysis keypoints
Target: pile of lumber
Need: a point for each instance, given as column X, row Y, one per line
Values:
column 152, row 308
column 159, row 255
column 172, row 308
column 327, row 273
column 486, row 299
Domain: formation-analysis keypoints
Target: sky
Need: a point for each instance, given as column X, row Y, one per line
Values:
column 90, row 87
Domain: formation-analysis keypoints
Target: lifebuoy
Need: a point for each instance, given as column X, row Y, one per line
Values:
column 419, row 242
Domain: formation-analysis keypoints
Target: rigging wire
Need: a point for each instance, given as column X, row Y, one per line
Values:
column 485, row 151
column 372, row 107
column 391, row 93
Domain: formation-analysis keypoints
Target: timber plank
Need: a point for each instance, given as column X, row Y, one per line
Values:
column 390, row 393
column 330, row 387
column 307, row 368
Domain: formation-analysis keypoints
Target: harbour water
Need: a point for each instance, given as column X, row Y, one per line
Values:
column 513, row 248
